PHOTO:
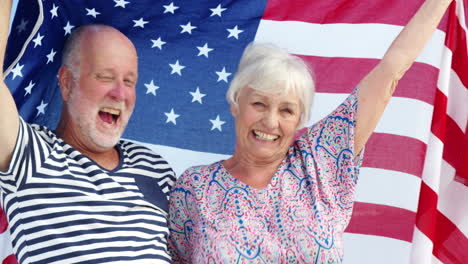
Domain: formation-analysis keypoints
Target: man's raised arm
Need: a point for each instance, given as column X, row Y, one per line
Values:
column 9, row 121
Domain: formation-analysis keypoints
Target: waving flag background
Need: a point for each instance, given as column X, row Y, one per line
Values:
column 412, row 199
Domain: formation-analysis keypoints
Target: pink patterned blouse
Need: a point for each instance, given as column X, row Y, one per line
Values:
column 298, row 218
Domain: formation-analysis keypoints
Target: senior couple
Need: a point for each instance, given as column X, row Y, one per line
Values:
column 79, row 194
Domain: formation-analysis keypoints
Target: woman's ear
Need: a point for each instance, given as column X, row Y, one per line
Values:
column 65, row 77
column 233, row 109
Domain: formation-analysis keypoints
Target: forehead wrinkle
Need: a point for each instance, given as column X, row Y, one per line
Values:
column 267, row 97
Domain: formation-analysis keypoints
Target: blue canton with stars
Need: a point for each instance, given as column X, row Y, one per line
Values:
column 188, row 53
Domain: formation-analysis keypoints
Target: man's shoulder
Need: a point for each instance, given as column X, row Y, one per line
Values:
column 132, row 148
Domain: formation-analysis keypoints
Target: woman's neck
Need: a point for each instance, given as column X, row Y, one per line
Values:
column 256, row 175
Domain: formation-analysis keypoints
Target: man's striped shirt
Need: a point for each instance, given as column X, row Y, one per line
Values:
column 62, row 207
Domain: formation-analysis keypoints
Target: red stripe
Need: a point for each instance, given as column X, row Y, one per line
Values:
column 447, row 131
column 3, row 221
column 426, row 216
column 10, row 260
column 449, row 242
column 395, row 12
column 392, row 152
column 382, row 220
column 333, row 76
column 453, row 143
column 456, row 41
column 439, row 115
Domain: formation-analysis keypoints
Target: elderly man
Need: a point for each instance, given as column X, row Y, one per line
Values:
column 79, row 194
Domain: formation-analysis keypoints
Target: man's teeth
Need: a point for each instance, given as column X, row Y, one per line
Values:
column 264, row 136
column 110, row 111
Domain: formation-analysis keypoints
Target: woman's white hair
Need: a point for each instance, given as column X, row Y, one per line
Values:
column 268, row 68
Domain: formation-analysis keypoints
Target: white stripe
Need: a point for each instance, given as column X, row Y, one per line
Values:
column 342, row 40
column 403, row 116
column 387, row 187
column 374, row 249
column 457, row 105
column 453, row 197
column 421, row 252
column 461, row 14
column 5, row 245
column 433, row 163
column 81, row 248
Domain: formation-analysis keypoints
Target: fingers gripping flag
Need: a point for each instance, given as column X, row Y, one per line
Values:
column 414, row 174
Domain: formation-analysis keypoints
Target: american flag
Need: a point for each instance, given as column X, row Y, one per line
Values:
column 413, row 189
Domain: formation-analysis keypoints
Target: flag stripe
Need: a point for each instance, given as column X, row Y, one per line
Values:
column 397, row 12
column 10, row 260
column 438, row 228
column 393, row 152
column 362, row 249
column 334, row 76
column 450, row 197
column 362, row 40
column 457, row 43
column 382, row 220
column 378, row 186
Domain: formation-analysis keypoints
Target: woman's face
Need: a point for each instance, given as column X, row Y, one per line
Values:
column 265, row 124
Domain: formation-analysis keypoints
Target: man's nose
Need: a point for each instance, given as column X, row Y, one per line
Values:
column 118, row 92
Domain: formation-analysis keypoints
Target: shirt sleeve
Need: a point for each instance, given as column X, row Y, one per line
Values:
column 331, row 143
column 180, row 220
column 28, row 151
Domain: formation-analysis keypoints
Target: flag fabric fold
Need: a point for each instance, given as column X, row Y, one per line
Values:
column 410, row 200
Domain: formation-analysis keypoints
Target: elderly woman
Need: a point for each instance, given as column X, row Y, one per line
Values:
column 280, row 200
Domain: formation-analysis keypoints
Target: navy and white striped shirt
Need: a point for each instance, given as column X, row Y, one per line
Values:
column 63, row 207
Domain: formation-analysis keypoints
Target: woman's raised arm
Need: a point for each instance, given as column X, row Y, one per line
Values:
column 377, row 87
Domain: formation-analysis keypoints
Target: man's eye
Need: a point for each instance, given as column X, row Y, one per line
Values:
column 287, row 110
column 258, row 104
column 105, row 77
column 129, row 82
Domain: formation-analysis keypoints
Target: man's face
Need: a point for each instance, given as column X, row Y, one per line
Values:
column 102, row 98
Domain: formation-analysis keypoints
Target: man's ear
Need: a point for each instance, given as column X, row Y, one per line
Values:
column 65, row 78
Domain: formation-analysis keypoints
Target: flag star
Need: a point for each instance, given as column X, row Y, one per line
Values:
column 22, row 26
column 222, row 75
column 171, row 117
column 234, row 32
column 92, row 12
column 29, row 88
column 120, row 3
column 204, row 50
column 68, row 28
column 158, row 43
column 38, row 40
column 53, row 11
column 217, row 123
column 197, row 96
column 41, row 108
column 17, row 71
column 140, row 23
column 170, row 8
column 176, row 68
column 187, row 28
column 50, row 56
column 217, row 11
column 151, row 88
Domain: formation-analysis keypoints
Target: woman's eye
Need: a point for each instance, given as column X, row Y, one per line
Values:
column 258, row 104
column 287, row 110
